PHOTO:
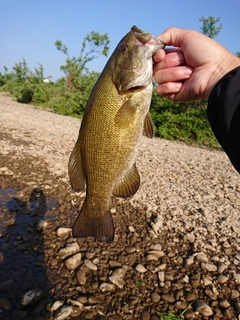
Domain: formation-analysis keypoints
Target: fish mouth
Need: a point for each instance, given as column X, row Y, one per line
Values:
column 147, row 38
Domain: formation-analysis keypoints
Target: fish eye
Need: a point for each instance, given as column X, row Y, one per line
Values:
column 124, row 47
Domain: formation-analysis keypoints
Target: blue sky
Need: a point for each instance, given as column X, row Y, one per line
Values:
column 31, row 27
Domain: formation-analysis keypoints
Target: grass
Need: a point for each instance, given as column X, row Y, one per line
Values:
column 169, row 315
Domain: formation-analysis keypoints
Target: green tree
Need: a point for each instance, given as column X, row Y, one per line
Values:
column 238, row 54
column 209, row 27
column 93, row 45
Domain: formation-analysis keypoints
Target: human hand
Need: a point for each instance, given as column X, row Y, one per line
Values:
column 191, row 69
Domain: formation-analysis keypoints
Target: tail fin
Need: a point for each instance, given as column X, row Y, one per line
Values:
column 100, row 227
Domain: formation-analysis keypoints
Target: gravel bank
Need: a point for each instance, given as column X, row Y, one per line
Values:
column 177, row 241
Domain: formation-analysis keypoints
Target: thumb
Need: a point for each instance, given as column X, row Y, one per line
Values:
column 173, row 36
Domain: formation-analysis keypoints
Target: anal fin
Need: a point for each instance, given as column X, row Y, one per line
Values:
column 75, row 171
column 129, row 185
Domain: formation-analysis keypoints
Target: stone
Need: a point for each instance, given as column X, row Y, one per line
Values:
column 69, row 250
column 117, row 281
column 202, row 308
column 120, row 272
column 201, row 257
column 89, row 315
column 81, row 277
column 224, row 304
column 90, row 265
column 73, row 262
column 209, row 266
column 107, row 287
column 5, row 304
column 140, row 268
column 168, row 297
column 161, row 276
column 31, row 297
column 236, row 277
column 155, row 297
column 62, row 232
column 222, row 279
column 221, row 268
column 145, row 315
column 42, row 225
column 57, row 304
column 62, row 313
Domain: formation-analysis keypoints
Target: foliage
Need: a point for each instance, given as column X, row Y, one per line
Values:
column 93, row 46
column 209, row 27
column 185, row 122
column 237, row 54
column 168, row 316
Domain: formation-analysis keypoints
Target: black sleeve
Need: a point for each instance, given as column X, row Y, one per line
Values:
column 224, row 114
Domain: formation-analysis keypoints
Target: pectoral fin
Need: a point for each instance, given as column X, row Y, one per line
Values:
column 75, row 171
column 148, row 129
column 126, row 114
column 129, row 185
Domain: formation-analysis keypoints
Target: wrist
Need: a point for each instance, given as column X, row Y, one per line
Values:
column 220, row 71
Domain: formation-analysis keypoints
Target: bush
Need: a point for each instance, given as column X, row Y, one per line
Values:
column 186, row 122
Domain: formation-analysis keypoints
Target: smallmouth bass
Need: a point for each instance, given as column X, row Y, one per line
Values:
column 116, row 116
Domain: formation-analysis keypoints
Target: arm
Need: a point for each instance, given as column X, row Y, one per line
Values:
column 224, row 114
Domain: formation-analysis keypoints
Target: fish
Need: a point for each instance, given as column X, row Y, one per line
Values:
column 116, row 116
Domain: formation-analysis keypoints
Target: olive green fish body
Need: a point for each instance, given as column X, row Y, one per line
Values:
column 115, row 118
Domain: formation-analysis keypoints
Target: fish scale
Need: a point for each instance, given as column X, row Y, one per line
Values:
column 115, row 118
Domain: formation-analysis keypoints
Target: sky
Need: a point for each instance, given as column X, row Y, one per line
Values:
column 31, row 27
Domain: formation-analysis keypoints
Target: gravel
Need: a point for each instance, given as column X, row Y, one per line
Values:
column 177, row 241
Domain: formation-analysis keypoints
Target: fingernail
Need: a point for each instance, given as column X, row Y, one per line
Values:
column 187, row 71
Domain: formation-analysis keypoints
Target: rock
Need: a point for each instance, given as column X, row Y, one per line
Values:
column 222, row 279
column 221, row 268
column 120, row 272
column 117, row 281
column 89, row 315
column 81, row 277
column 155, row 297
column 202, row 308
column 236, row 277
column 5, row 304
column 73, row 262
column 90, row 265
column 161, row 276
column 145, row 315
column 140, row 268
column 57, row 304
column 75, row 303
column 8, row 285
column 62, row 232
column 31, row 297
column 70, row 249
column 42, row 225
column 168, row 297
column 3, row 232
column 190, row 237
column 189, row 261
column 209, row 266
column 107, row 287
column 210, row 294
column 201, row 257
column 62, row 313
column 224, row 304
column 131, row 229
